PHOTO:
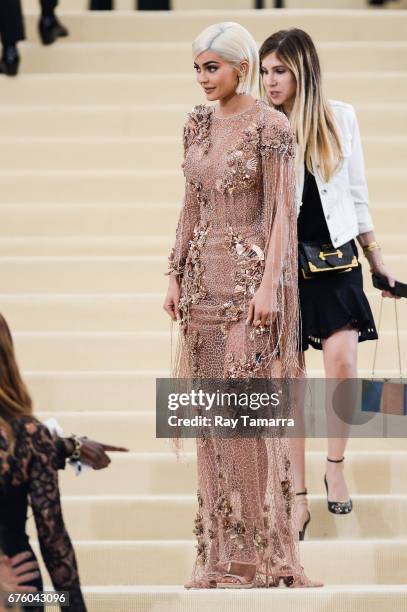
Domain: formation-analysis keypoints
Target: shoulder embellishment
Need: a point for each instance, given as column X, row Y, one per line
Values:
column 198, row 126
column 278, row 136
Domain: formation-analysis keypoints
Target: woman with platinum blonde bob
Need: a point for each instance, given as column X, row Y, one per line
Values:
column 233, row 289
column 332, row 207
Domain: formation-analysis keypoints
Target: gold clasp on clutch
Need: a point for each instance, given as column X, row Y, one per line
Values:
column 313, row 268
column 323, row 255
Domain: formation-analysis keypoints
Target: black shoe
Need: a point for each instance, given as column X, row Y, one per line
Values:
column 10, row 61
column 337, row 507
column 301, row 533
column 50, row 29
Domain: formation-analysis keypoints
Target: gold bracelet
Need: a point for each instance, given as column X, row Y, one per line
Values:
column 76, row 455
column 372, row 246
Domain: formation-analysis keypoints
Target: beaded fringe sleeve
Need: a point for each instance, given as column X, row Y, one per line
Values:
column 237, row 223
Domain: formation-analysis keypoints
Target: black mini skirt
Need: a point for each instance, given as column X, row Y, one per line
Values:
column 331, row 302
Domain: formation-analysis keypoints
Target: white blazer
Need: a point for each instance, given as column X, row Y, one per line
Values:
column 345, row 197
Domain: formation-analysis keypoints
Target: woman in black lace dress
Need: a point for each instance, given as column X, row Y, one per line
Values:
column 29, row 474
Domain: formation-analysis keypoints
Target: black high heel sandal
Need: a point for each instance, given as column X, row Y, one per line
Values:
column 337, row 507
column 301, row 533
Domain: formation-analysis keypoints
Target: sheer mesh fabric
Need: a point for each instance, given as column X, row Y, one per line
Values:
column 237, row 223
column 33, row 468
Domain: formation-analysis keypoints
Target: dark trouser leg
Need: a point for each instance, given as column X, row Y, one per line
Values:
column 11, row 22
column 50, row 28
column 48, row 7
column 101, row 5
column 153, row 5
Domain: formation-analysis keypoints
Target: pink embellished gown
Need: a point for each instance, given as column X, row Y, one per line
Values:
column 239, row 209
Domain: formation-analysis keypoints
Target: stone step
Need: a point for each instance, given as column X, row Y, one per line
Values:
column 145, row 224
column 92, row 351
column 356, row 562
column 84, row 312
column 83, row 245
column 78, row 5
column 357, row 87
column 95, row 392
column 152, row 473
column 136, row 429
column 144, row 154
column 178, row 599
column 184, row 26
column 338, row 4
column 106, row 274
column 148, row 187
column 117, row 312
column 164, row 518
column 46, row 246
column 122, row 351
column 85, row 274
column 165, row 121
column 128, row 5
column 149, row 57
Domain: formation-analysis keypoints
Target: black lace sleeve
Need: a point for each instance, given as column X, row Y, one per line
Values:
column 61, row 453
column 55, row 544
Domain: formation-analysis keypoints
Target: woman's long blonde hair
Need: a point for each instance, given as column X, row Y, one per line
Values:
column 15, row 400
column 311, row 118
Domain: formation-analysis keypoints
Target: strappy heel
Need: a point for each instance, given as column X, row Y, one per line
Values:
column 242, row 582
column 290, row 581
column 274, row 581
column 203, row 583
column 301, row 533
column 333, row 506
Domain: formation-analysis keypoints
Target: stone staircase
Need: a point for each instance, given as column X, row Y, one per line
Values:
column 128, row 5
column 90, row 184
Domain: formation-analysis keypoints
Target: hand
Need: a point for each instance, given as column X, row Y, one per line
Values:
column 171, row 301
column 16, row 571
column 262, row 307
column 381, row 269
column 94, row 453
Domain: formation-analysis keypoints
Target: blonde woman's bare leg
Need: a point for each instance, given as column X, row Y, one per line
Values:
column 340, row 362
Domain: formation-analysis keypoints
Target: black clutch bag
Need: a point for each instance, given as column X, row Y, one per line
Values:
column 315, row 258
column 381, row 282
